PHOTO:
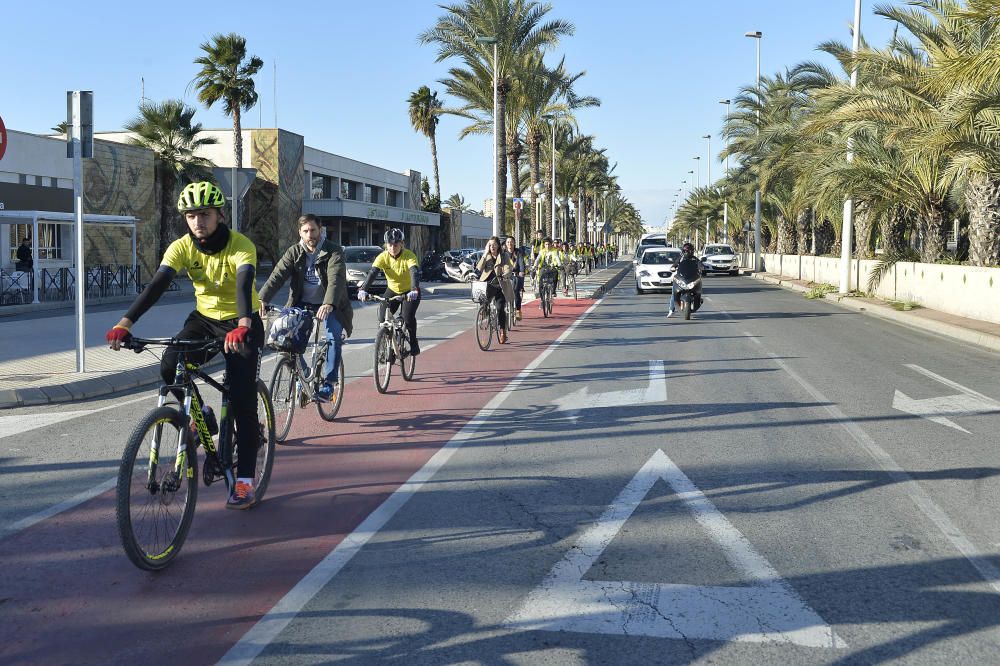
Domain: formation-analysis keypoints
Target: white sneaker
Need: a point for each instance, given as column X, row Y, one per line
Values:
column 670, row 313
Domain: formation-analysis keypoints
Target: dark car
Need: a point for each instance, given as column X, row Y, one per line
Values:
column 358, row 259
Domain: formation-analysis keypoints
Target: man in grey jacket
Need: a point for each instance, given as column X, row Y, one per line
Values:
column 318, row 283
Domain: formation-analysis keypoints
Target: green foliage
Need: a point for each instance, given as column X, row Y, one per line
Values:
column 820, row 290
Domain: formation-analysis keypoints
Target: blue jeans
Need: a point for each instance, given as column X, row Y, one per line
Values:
column 334, row 333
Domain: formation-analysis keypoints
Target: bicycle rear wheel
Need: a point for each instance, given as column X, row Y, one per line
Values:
column 407, row 361
column 574, row 287
column 283, row 396
column 328, row 410
column 383, row 366
column 484, row 331
column 155, row 504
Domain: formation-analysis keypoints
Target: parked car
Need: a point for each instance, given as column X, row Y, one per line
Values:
column 358, row 259
column 654, row 269
column 720, row 258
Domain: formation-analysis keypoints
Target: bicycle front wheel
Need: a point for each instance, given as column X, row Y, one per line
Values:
column 407, row 361
column 574, row 287
column 328, row 410
column 265, row 444
column 383, row 362
column 156, row 498
column 484, row 331
column 283, row 396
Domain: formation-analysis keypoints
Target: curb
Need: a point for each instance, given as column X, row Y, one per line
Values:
column 985, row 340
column 86, row 389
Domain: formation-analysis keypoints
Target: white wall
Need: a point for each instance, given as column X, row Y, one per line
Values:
column 35, row 155
column 964, row 291
column 329, row 164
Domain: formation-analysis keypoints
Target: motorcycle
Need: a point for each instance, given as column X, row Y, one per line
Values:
column 460, row 270
column 688, row 289
column 432, row 268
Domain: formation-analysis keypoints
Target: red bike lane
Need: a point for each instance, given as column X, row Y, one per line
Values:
column 68, row 594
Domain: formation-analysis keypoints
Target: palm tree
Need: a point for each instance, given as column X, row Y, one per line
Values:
column 457, row 202
column 518, row 29
column 167, row 130
column 425, row 113
column 227, row 75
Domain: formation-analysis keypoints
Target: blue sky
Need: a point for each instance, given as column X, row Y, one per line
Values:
column 345, row 70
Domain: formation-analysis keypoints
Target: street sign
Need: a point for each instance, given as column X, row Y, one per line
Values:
column 244, row 179
column 3, row 139
column 518, row 203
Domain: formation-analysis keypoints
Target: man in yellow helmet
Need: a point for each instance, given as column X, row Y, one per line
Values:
column 222, row 265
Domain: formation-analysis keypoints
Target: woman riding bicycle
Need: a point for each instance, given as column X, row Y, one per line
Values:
column 402, row 273
column 492, row 266
column 516, row 261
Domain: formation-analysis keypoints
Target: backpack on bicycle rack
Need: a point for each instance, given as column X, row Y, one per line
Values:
column 291, row 330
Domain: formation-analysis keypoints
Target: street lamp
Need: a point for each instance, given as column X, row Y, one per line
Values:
column 552, row 123
column 725, row 204
column 697, row 167
column 499, row 189
column 847, row 230
column 708, row 164
column 757, row 35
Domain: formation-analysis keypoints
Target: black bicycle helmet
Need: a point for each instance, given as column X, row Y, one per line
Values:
column 393, row 236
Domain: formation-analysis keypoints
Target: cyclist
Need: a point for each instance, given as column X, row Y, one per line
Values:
column 548, row 265
column 221, row 264
column 402, row 273
column 318, row 277
column 517, row 263
column 691, row 268
column 493, row 265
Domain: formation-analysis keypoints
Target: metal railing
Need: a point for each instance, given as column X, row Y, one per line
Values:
column 59, row 284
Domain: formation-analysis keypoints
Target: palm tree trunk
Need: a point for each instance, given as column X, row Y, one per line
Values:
column 434, row 160
column 892, row 228
column 237, row 140
column 863, row 225
column 500, row 191
column 581, row 212
column 982, row 200
column 786, row 236
column 167, row 185
column 802, row 227
column 933, row 226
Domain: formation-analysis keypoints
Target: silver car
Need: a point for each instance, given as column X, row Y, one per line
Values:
column 654, row 270
column 720, row 258
column 358, row 259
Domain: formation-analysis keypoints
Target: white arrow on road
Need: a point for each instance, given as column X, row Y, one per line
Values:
column 582, row 398
column 965, row 403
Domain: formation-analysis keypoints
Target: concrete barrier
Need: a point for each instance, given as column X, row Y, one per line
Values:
column 964, row 291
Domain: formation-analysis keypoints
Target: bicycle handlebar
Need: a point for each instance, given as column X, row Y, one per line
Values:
column 139, row 344
column 383, row 299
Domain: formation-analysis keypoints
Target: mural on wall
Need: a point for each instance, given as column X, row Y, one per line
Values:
column 120, row 180
column 274, row 201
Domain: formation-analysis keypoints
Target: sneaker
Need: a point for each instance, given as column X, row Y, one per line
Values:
column 325, row 392
column 670, row 313
column 242, row 496
column 518, row 315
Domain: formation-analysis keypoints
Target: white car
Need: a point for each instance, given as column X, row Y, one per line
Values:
column 654, row 271
column 720, row 258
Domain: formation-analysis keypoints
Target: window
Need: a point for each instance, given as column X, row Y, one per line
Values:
column 392, row 198
column 368, row 193
column 53, row 182
column 17, row 233
column 38, row 181
column 49, row 241
column 348, row 190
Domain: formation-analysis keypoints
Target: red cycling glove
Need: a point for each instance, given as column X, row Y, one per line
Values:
column 238, row 336
column 117, row 334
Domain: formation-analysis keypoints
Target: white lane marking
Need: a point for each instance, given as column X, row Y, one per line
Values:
column 56, row 509
column 965, row 403
column 769, row 611
column 986, row 568
column 22, row 423
column 275, row 620
column 655, row 391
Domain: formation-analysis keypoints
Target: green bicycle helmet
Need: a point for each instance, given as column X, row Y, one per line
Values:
column 200, row 195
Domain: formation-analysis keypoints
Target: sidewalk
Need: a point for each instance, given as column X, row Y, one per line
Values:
column 973, row 331
column 38, row 359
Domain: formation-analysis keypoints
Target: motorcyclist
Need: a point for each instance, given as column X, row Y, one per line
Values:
column 689, row 269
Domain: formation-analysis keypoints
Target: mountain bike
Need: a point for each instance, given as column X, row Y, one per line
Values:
column 572, row 268
column 296, row 381
column 157, row 481
column 392, row 343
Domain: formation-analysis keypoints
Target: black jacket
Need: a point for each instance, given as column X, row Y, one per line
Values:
column 333, row 275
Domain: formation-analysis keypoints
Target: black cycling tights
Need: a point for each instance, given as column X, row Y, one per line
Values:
column 409, row 315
